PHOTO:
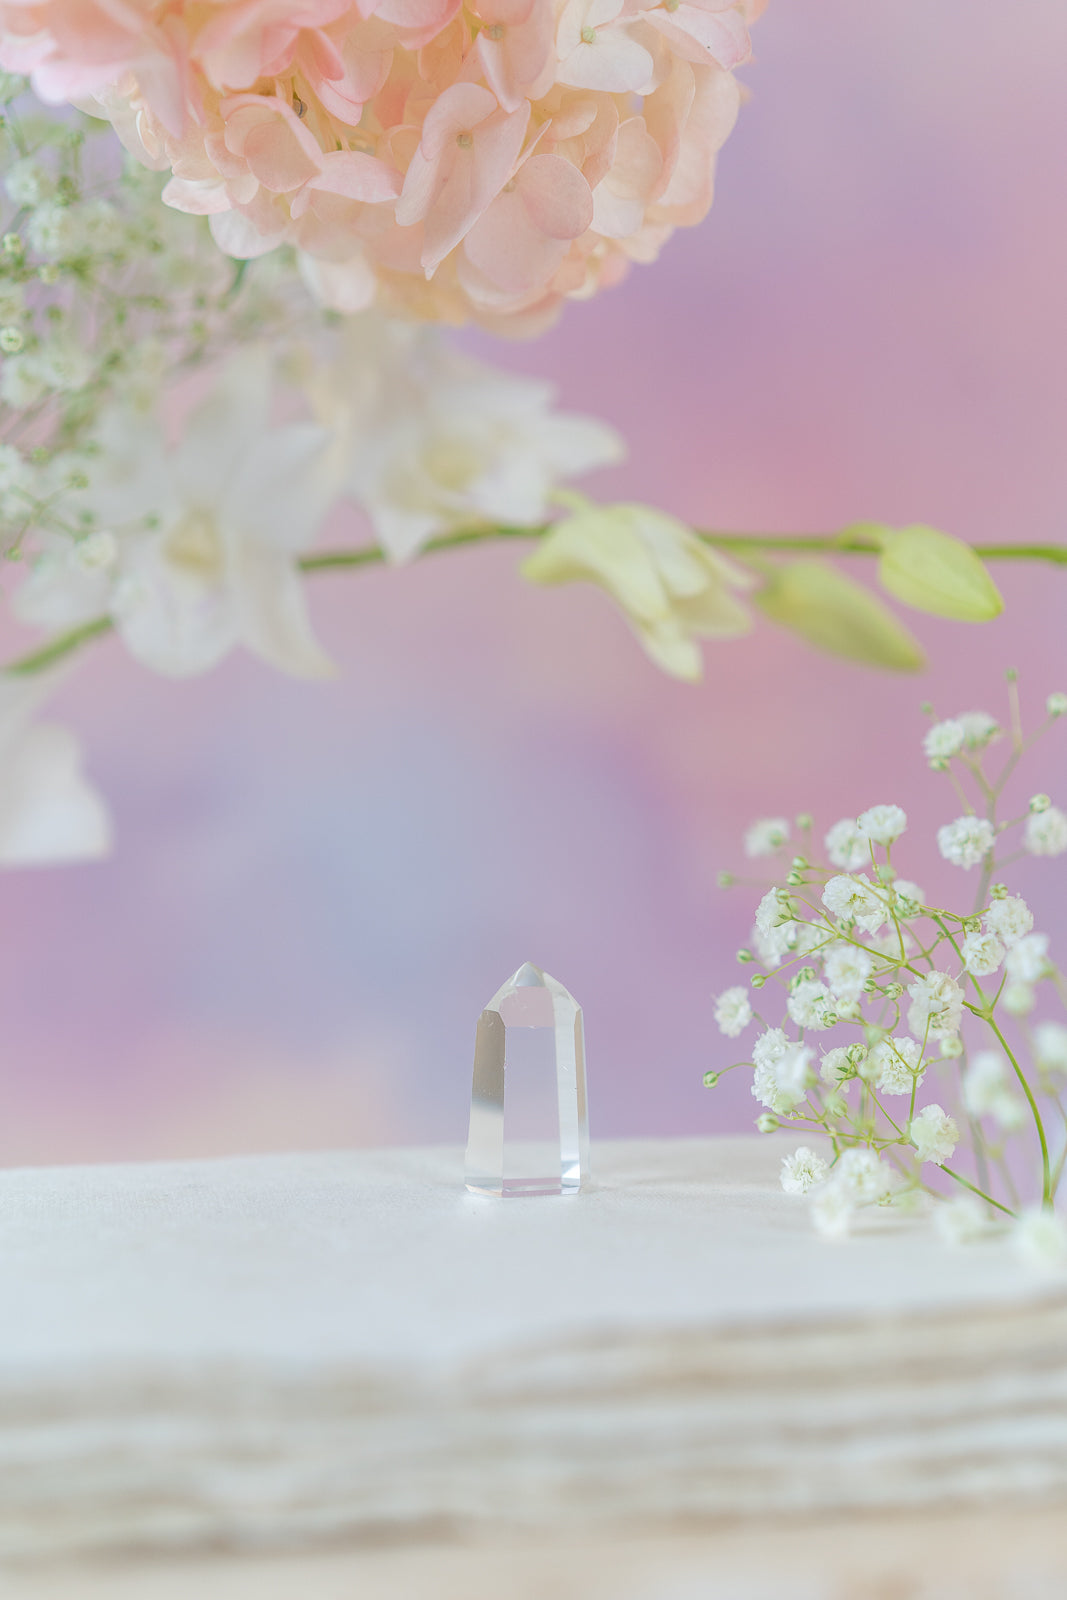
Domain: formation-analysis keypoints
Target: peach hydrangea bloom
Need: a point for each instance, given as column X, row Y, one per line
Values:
column 451, row 158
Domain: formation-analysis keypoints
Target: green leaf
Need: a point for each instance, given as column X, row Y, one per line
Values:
column 837, row 615
column 934, row 572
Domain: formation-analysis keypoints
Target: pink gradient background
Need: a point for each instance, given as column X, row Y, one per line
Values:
column 316, row 889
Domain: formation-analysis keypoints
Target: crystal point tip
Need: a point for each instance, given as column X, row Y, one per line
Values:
column 529, row 977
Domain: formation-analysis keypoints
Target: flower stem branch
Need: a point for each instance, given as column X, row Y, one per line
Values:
column 845, row 543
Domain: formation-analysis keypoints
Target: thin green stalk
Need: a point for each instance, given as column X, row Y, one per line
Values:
column 64, row 644
column 973, row 1187
column 1046, row 1166
column 845, row 543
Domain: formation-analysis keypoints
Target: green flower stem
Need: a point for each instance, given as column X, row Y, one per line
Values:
column 1046, row 1166
column 845, row 543
column 973, row 1187
column 64, row 644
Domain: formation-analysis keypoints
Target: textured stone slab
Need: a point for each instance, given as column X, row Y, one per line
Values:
column 300, row 1349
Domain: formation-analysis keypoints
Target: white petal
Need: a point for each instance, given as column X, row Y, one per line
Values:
column 272, row 612
column 48, row 811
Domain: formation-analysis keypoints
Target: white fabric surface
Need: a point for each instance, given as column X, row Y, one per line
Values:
column 302, row 1348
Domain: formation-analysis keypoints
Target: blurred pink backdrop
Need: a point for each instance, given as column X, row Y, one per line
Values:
column 316, row 889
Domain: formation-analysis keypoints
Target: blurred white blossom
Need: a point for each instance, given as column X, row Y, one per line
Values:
column 1046, row 832
column 733, row 1012
column 966, row 841
column 934, row 1134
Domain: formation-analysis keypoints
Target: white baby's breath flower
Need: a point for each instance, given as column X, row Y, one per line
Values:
column 1050, row 1046
column 766, row 836
column 908, row 898
column 1009, row 919
column 979, row 729
column 864, row 1175
column 1040, row 1239
column 1046, row 832
column 1018, row 999
column 835, row 1067
column 54, row 231
column 882, row 824
column 810, row 1005
column 950, row 1044
column 21, row 383
column 853, row 900
column 944, row 740
column 846, row 846
column 846, row 969
column 984, row 1080
column 986, row 1092
column 769, row 1047
column 97, row 552
column 893, row 1062
column 733, row 1011
column 803, row 1170
column 1056, row 704
column 935, row 998
column 961, row 1220
column 1027, row 961
column 772, row 910
column 966, row 841
column 831, row 1211
column 982, row 954
column 782, row 1071
column 934, row 1134
column 64, row 364
column 28, row 182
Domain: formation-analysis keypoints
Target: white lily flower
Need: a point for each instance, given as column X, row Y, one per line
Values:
column 49, row 813
column 206, row 533
column 430, row 441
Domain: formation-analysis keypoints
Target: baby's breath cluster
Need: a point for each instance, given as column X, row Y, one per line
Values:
column 924, row 1048
column 104, row 294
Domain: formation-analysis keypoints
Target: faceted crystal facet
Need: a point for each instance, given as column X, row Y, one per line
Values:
column 529, row 1129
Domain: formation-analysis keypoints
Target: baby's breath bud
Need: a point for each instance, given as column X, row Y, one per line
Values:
column 1012, row 674
column 1039, row 803
column 837, row 1106
column 802, row 975
column 857, row 1055
column 725, row 880
column 799, row 863
column 999, row 891
column 11, row 340
column 745, row 955
column 927, row 709
column 758, row 980
column 48, row 273
column 794, row 879
column 886, row 873
column 829, row 1019
column 767, row 1122
column 710, row 1079
column 870, row 986
column 971, row 924
column 951, row 1046
column 893, row 991
column 12, row 246
column 1056, row 705
column 805, row 822
column 938, row 764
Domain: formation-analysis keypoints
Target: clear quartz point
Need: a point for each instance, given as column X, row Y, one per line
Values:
column 529, row 1128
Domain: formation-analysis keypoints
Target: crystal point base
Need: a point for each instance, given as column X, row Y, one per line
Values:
column 529, row 1127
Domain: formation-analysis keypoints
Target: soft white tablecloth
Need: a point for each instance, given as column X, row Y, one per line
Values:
column 289, row 1352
